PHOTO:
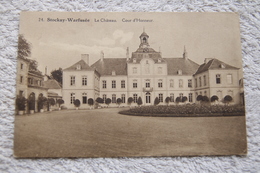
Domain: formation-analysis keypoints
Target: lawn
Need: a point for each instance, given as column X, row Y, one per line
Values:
column 105, row 133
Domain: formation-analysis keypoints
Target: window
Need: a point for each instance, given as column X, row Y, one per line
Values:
column 113, row 84
column 190, row 97
column 122, row 84
column 160, row 83
column 78, row 67
column 134, row 60
column 134, row 83
column 123, row 98
column 161, row 97
column 218, row 80
column 196, row 84
column 20, row 93
column 205, row 93
column 21, row 66
column 189, row 83
column 204, row 80
column 72, row 80
column 200, row 81
column 180, row 83
column 179, row 72
column 84, row 98
column 147, row 67
column 135, row 98
column 84, row 80
column 159, row 70
column 113, row 98
column 171, row 83
column 113, row 72
column 104, row 97
column 229, row 79
column 219, row 94
column 134, row 70
column 171, row 97
column 104, row 84
column 21, row 79
column 147, row 84
column 72, row 98
column 181, row 95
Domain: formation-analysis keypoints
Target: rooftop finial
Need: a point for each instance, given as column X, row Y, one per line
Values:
column 185, row 54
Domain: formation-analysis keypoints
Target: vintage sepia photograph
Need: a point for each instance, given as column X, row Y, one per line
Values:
column 94, row 84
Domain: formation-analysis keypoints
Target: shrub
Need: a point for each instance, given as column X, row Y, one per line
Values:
column 178, row 99
column 119, row 101
column 199, row 98
column 184, row 99
column 167, row 100
column 20, row 103
column 205, row 99
column 90, row 102
column 227, row 99
column 139, row 101
column 41, row 101
column 156, row 101
column 214, row 98
column 108, row 101
column 51, row 101
column 99, row 100
column 130, row 100
column 77, row 103
column 60, row 102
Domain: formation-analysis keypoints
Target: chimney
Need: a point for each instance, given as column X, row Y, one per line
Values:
column 46, row 70
column 85, row 57
column 185, row 54
column 207, row 60
column 127, row 53
column 101, row 55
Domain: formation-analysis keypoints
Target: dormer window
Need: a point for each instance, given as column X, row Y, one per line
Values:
column 179, row 72
column 113, row 72
column 160, row 60
column 78, row 67
column 222, row 66
column 134, row 60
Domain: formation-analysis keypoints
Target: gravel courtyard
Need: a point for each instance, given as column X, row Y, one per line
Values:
column 105, row 133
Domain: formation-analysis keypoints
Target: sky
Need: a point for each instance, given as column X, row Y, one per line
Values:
column 58, row 44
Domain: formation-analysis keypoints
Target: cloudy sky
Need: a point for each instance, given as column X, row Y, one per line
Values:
column 60, row 44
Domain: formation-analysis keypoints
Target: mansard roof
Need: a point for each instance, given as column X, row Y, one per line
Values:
column 187, row 66
column 107, row 65
column 214, row 64
column 83, row 66
column 52, row 84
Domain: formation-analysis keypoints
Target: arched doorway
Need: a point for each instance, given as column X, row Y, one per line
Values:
column 31, row 102
column 148, row 98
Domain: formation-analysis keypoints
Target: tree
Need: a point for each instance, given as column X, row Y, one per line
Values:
column 90, row 102
column 205, row 99
column 178, row 99
column 60, row 102
column 24, row 47
column 167, row 100
column 139, row 101
column 214, row 98
column 41, row 101
column 108, row 101
column 20, row 103
column 184, row 99
column 130, row 100
column 57, row 75
column 76, row 103
column 227, row 99
column 156, row 101
column 119, row 101
column 199, row 98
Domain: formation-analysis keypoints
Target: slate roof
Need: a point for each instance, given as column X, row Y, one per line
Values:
column 82, row 63
column 107, row 65
column 187, row 66
column 52, row 84
column 214, row 64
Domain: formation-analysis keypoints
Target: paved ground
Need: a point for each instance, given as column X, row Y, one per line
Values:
column 105, row 133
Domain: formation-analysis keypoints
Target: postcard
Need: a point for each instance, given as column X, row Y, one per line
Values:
column 94, row 84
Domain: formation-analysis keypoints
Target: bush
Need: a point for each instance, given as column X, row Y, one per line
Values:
column 167, row 100
column 227, row 99
column 77, row 103
column 184, row 99
column 99, row 100
column 108, row 101
column 90, row 102
column 214, row 98
column 139, row 101
column 60, row 102
column 118, row 101
column 199, row 98
column 51, row 101
column 41, row 101
column 156, row 101
column 130, row 100
column 178, row 99
column 205, row 99
column 20, row 103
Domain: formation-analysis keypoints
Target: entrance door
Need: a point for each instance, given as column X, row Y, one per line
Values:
column 147, row 98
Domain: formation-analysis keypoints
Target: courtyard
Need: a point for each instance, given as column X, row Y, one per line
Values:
column 105, row 133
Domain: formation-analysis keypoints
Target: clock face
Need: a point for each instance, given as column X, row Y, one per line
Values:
column 146, row 49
